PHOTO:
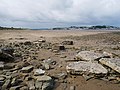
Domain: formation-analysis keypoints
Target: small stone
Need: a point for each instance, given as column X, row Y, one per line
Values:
column 15, row 88
column 87, row 77
column 1, row 65
column 39, row 72
column 31, row 85
column 67, row 42
column 104, row 79
column 61, row 75
column 13, row 82
column 108, row 54
column 47, row 66
column 27, row 43
column 41, row 40
column 1, row 80
column 24, row 88
column 6, row 84
column 72, row 87
column 118, row 79
column 70, row 59
column 50, row 62
column 9, row 66
column 8, row 73
column 1, row 83
column 111, row 78
column 27, row 69
column 58, row 47
column 38, row 85
column 63, row 56
column 16, row 82
column 55, row 51
column 46, row 86
column 63, row 86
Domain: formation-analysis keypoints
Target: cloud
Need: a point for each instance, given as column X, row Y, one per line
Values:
column 50, row 13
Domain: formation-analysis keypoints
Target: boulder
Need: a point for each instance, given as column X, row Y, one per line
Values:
column 89, row 55
column 6, row 57
column 8, row 50
column 82, row 67
column 112, row 63
column 27, row 69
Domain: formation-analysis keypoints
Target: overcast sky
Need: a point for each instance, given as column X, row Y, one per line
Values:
column 57, row 13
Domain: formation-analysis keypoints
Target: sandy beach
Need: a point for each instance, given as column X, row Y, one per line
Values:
column 97, row 41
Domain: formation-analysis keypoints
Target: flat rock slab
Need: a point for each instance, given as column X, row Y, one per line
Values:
column 112, row 63
column 27, row 69
column 89, row 55
column 43, row 78
column 82, row 67
column 39, row 72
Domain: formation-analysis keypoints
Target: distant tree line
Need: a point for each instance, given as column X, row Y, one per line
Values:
column 10, row 28
column 102, row 27
column 88, row 27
